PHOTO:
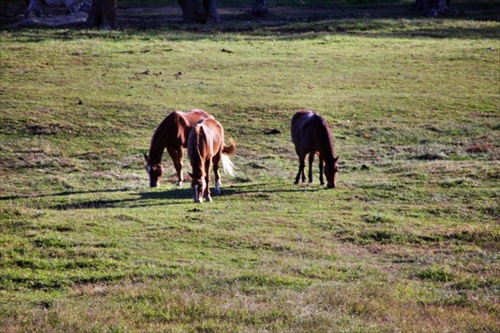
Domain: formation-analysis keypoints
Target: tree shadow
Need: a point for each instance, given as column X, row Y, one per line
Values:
column 289, row 21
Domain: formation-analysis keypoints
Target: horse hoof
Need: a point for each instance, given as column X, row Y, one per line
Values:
column 209, row 199
column 180, row 183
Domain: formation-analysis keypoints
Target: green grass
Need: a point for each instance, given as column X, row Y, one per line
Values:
column 408, row 241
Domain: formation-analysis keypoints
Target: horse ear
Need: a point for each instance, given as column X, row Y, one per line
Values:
column 146, row 157
column 336, row 159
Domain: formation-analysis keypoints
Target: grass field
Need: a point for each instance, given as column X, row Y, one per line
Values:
column 407, row 242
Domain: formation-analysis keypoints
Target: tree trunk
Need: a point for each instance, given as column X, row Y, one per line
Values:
column 196, row 11
column 210, row 6
column 260, row 7
column 103, row 14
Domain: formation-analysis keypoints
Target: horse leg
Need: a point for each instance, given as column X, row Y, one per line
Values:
column 180, row 175
column 311, row 160
column 177, row 155
column 207, row 181
column 218, row 183
column 321, row 165
column 302, row 165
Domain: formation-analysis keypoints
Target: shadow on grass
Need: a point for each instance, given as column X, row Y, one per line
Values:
column 160, row 198
column 135, row 200
column 288, row 22
column 58, row 194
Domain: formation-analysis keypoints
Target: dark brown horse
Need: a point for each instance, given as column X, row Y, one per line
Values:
column 206, row 147
column 310, row 135
column 172, row 133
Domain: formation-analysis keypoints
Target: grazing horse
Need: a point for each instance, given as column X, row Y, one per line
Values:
column 172, row 133
column 310, row 135
column 206, row 147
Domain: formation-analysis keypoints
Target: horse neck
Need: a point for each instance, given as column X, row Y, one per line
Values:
column 157, row 146
column 165, row 133
column 325, row 141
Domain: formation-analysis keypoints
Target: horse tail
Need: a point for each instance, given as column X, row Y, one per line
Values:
column 231, row 149
column 227, row 164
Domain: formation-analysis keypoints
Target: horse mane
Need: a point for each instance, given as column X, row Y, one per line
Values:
column 194, row 150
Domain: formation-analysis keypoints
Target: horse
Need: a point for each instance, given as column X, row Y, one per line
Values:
column 311, row 135
column 172, row 133
column 206, row 147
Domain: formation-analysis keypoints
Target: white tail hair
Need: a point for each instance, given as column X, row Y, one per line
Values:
column 227, row 165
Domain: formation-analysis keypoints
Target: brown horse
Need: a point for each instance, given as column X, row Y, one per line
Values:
column 310, row 135
column 206, row 147
column 172, row 133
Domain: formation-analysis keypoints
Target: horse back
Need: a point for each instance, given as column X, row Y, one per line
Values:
column 176, row 126
column 309, row 131
column 214, row 133
column 190, row 118
column 303, row 124
column 301, row 116
column 193, row 116
column 206, row 136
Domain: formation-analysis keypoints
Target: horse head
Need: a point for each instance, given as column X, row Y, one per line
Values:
column 155, row 171
column 199, row 186
column 331, row 170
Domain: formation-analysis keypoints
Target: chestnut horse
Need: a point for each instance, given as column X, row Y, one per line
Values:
column 206, row 147
column 172, row 133
column 310, row 135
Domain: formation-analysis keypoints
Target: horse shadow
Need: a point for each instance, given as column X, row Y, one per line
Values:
column 253, row 188
column 57, row 194
column 174, row 196
column 171, row 194
column 135, row 200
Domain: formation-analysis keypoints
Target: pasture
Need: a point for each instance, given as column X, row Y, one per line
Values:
column 408, row 241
